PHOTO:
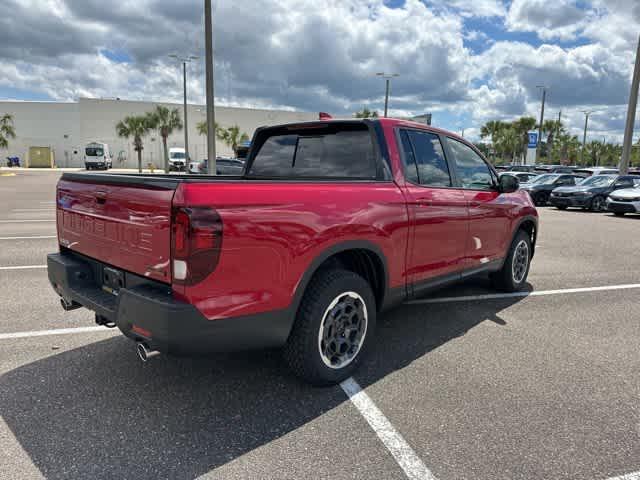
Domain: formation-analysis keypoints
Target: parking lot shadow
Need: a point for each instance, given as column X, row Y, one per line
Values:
column 97, row 412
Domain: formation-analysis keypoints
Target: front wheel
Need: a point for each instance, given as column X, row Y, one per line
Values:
column 597, row 204
column 619, row 214
column 561, row 207
column 333, row 329
column 541, row 199
column 512, row 277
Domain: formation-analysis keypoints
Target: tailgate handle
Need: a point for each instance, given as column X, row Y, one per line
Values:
column 101, row 197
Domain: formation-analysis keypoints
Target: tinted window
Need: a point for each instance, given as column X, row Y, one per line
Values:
column 426, row 159
column 624, row 182
column 344, row 153
column 474, row 173
column 94, row 152
column 411, row 169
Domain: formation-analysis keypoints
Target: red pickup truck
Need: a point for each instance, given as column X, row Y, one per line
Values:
column 331, row 223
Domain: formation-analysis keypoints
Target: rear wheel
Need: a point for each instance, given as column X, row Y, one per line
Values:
column 334, row 328
column 597, row 204
column 619, row 214
column 561, row 207
column 512, row 277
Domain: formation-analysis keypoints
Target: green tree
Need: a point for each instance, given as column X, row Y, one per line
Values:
column 165, row 121
column 136, row 127
column 551, row 129
column 202, row 128
column 509, row 142
column 366, row 113
column 232, row 136
column 7, row 130
column 522, row 126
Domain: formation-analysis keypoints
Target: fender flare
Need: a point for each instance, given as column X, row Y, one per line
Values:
column 527, row 218
column 334, row 249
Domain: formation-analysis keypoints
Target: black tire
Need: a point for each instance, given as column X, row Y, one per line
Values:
column 541, row 199
column 597, row 204
column 561, row 207
column 619, row 214
column 506, row 279
column 302, row 352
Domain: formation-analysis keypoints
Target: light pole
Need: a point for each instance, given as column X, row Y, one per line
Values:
column 387, row 77
column 211, row 115
column 631, row 116
column 544, row 98
column 587, row 113
column 184, row 61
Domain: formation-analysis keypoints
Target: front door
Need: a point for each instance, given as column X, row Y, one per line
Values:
column 489, row 211
column 437, row 210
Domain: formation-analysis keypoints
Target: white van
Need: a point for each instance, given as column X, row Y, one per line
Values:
column 177, row 158
column 97, row 155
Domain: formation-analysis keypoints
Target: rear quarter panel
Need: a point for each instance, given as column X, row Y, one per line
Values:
column 273, row 231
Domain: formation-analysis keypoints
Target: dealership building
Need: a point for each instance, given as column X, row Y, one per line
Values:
column 56, row 132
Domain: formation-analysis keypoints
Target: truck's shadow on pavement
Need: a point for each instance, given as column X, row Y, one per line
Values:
column 97, row 411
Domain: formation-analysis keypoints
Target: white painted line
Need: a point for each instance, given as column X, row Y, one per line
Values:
column 628, row 476
column 27, row 221
column 38, row 237
column 23, row 267
column 57, row 331
column 410, row 463
column 539, row 293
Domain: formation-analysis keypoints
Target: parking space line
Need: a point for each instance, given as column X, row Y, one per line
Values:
column 539, row 293
column 56, row 331
column 37, row 237
column 628, row 476
column 23, row 267
column 404, row 455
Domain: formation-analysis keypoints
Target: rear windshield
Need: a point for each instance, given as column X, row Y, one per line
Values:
column 94, row 152
column 344, row 151
column 177, row 155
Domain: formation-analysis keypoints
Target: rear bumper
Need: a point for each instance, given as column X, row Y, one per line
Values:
column 147, row 312
column 570, row 201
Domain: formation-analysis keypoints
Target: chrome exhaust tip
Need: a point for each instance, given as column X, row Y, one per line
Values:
column 144, row 353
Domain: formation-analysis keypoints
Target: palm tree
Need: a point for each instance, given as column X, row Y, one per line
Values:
column 522, row 127
column 551, row 128
column 7, row 130
column 508, row 140
column 165, row 121
column 366, row 113
column 136, row 127
column 232, row 136
column 203, row 130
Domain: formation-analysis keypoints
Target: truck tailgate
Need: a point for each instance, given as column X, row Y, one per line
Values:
column 124, row 224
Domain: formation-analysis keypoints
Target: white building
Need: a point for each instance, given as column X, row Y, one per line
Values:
column 66, row 127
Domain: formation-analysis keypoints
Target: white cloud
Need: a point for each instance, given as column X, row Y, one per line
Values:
column 558, row 19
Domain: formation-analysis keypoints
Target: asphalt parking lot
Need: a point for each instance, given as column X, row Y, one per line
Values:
column 472, row 385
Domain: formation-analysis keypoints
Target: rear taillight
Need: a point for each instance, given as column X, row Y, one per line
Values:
column 196, row 240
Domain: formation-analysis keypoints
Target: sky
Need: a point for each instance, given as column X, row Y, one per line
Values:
column 464, row 61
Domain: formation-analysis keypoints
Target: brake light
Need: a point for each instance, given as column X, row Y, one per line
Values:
column 196, row 240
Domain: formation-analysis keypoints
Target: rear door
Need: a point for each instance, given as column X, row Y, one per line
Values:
column 437, row 209
column 489, row 211
column 126, row 226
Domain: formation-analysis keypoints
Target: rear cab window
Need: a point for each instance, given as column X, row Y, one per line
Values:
column 327, row 150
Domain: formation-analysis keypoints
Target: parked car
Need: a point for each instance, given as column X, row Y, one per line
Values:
column 592, row 192
column 540, row 188
column 523, row 177
column 555, row 168
column 625, row 200
column 329, row 225
column 97, row 156
column 224, row 166
column 588, row 172
column 518, row 168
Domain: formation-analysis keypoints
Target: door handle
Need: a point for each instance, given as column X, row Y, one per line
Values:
column 101, row 197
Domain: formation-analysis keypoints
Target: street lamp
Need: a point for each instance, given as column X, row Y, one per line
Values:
column 184, row 61
column 544, row 98
column 387, row 77
column 587, row 113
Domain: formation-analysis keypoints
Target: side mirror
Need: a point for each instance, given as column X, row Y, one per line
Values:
column 508, row 184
